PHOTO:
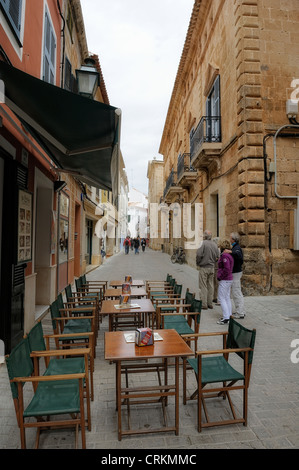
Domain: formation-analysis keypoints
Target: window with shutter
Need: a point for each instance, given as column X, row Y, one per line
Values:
column 49, row 51
column 12, row 10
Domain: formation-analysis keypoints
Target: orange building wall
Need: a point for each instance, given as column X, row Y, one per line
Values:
column 31, row 59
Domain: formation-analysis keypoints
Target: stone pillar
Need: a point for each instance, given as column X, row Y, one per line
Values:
column 251, row 216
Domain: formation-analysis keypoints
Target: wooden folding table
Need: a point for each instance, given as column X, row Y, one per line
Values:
column 118, row 350
column 136, row 292
column 135, row 283
column 129, row 317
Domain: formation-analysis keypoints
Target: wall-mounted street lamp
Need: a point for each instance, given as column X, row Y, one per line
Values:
column 88, row 78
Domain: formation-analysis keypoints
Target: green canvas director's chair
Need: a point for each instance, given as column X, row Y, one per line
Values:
column 73, row 361
column 185, row 319
column 53, row 398
column 82, row 299
column 70, row 321
column 218, row 373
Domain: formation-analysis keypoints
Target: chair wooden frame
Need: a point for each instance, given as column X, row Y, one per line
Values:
column 62, row 321
column 40, row 343
column 54, row 353
column 182, row 317
column 76, row 300
column 228, row 385
column 40, row 408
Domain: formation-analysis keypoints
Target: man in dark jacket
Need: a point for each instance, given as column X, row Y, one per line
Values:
column 237, row 295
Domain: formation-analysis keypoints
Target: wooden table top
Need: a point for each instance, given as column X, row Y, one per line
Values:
column 172, row 345
column 146, row 306
column 135, row 291
column 135, row 283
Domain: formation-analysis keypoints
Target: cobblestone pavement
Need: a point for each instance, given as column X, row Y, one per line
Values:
column 273, row 421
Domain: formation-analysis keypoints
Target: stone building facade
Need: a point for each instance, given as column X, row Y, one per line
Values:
column 155, row 174
column 228, row 141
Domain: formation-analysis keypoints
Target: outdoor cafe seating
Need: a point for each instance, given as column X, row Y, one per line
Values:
column 175, row 325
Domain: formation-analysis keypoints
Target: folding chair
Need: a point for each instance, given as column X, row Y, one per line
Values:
column 73, row 322
column 53, row 396
column 186, row 319
column 217, row 367
column 78, row 361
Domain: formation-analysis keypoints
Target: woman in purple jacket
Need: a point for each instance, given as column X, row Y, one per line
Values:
column 225, row 278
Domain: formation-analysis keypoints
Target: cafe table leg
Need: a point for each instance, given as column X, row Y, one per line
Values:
column 118, row 391
column 176, row 396
column 166, row 377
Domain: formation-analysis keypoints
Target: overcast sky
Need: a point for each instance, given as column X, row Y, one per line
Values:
column 139, row 44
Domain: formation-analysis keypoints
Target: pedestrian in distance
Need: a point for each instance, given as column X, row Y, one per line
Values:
column 225, row 280
column 127, row 244
column 136, row 245
column 143, row 244
column 206, row 257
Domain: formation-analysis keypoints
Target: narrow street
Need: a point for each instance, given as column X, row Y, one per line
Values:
column 273, row 392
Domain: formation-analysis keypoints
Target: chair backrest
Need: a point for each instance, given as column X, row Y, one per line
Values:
column 168, row 277
column 240, row 337
column 19, row 364
column 68, row 292
column 36, row 338
column 54, row 310
column 189, row 297
column 60, row 301
column 196, row 307
column 79, row 283
column 178, row 289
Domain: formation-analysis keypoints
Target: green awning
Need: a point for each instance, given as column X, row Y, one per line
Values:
column 80, row 135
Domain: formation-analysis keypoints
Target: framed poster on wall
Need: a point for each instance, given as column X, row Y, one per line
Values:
column 24, row 227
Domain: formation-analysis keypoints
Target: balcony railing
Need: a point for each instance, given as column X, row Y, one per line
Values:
column 184, row 165
column 208, row 130
column 171, row 181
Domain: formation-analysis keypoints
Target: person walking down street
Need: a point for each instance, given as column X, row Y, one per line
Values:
column 237, row 295
column 127, row 244
column 225, row 279
column 143, row 244
column 206, row 256
column 136, row 245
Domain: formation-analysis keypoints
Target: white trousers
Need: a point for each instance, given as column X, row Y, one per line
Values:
column 237, row 295
column 224, row 288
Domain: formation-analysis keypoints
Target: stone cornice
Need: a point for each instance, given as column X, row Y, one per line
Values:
column 80, row 27
column 198, row 13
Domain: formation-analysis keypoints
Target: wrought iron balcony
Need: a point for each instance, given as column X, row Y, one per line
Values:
column 186, row 174
column 171, row 187
column 206, row 141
